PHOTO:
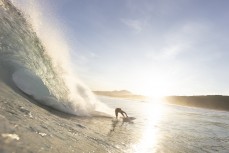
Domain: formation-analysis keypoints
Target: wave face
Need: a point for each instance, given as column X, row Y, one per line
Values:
column 25, row 61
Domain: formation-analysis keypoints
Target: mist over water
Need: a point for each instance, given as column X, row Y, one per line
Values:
column 33, row 49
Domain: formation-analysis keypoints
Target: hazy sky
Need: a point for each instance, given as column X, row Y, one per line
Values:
column 152, row 47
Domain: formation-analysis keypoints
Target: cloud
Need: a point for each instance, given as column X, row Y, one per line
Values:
column 134, row 24
column 185, row 38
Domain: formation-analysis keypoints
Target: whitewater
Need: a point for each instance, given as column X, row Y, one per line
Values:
column 44, row 107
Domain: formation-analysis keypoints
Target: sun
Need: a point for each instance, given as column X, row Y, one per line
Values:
column 156, row 86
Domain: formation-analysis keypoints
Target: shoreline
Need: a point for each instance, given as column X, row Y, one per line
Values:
column 122, row 94
column 216, row 102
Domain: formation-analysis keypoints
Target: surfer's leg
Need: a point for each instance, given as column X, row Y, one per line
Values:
column 116, row 114
column 117, row 110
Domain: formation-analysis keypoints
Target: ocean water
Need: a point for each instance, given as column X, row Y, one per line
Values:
column 158, row 128
column 169, row 128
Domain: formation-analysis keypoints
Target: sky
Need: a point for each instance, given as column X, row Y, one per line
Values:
column 150, row 47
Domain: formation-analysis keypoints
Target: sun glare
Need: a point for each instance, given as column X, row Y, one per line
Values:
column 150, row 133
column 156, row 87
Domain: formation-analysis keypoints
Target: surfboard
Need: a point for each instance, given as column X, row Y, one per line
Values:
column 128, row 119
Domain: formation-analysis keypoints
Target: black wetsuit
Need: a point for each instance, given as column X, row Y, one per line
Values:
column 119, row 110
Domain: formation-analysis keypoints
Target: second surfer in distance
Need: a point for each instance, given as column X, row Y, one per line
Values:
column 119, row 110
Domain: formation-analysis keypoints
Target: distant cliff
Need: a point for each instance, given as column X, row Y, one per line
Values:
column 120, row 94
column 210, row 101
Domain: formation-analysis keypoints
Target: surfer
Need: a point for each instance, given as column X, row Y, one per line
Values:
column 119, row 110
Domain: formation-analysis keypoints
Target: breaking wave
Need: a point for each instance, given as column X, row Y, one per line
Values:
column 34, row 65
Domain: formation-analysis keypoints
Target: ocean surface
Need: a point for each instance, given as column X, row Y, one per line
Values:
column 169, row 128
column 44, row 107
column 27, row 126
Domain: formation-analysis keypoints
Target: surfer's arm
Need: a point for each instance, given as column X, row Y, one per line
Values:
column 125, row 114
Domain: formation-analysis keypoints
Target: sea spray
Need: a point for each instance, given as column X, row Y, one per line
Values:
column 46, row 58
